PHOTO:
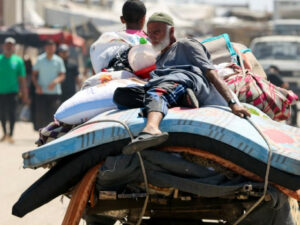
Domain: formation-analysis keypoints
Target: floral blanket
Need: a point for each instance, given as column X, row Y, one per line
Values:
column 255, row 90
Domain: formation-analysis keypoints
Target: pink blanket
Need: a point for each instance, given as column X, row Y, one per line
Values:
column 255, row 90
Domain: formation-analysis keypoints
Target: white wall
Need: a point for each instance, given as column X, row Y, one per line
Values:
column 12, row 12
column 265, row 5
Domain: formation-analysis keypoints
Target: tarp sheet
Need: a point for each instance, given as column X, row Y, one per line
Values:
column 171, row 170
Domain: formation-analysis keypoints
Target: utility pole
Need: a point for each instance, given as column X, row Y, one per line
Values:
column 23, row 11
column 1, row 12
column 275, row 10
column 88, row 3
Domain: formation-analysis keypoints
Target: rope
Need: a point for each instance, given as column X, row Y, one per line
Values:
column 269, row 158
column 139, row 156
column 147, row 189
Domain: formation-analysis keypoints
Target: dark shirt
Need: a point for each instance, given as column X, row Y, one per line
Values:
column 275, row 79
column 69, row 84
column 186, row 62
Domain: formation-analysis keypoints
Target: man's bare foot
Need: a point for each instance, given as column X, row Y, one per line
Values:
column 3, row 138
column 10, row 140
column 151, row 130
column 145, row 140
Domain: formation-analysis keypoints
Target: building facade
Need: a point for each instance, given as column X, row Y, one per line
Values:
column 10, row 12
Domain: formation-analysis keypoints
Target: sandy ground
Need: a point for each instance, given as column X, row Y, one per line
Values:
column 14, row 180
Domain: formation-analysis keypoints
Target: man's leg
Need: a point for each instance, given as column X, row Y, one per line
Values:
column 130, row 97
column 153, row 121
column 52, row 106
column 40, row 110
column 157, row 101
column 12, row 104
column 3, row 113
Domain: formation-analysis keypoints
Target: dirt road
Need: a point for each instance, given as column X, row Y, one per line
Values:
column 14, row 180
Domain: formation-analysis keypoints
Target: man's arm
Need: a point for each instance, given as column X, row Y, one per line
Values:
column 60, row 78
column 23, row 89
column 61, row 74
column 22, row 82
column 34, row 77
column 225, row 92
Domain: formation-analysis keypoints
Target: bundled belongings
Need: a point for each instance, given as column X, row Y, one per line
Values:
column 212, row 133
column 252, row 89
column 97, row 92
column 190, row 128
column 117, row 50
column 181, row 180
column 52, row 131
column 222, row 50
column 91, row 101
column 210, row 153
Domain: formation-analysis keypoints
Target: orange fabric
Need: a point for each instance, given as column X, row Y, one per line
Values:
column 80, row 197
column 246, row 61
column 230, row 165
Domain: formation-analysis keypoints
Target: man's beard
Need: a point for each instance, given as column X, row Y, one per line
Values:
column 163, row 44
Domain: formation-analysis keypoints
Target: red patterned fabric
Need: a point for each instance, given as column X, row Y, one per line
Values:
column 255, row 90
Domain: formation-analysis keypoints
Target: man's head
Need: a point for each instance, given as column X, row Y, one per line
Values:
column 50, row 47
column 133, row 14
column 9, row 46
column 63, row 51
column 160, row 29
column 273, row 69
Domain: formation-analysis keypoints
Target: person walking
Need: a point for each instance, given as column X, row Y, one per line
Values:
column 47, row 75
column 12, row 79
column 68, row 86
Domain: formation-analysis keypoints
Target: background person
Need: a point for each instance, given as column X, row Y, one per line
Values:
column 273, row 75
column 68, row 86
column 47, row 75
column 12, row 76
column 133, row 16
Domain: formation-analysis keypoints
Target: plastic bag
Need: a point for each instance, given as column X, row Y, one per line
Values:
column 91, row 101
column 108, row 45
column 25, row 113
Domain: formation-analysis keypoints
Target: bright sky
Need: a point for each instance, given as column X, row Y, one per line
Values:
column 266, row 5
column 261, row 5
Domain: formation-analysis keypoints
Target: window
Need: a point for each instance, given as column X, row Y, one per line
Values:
column 277, row 50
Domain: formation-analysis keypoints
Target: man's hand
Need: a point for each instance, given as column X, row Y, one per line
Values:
column 240, row 111
column 26, row 100
column 38, row 90
column 52, row 85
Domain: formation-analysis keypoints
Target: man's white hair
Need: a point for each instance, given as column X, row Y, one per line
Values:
column 165, row 42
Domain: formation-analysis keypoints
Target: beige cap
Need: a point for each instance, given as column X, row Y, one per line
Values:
column 10, row 40
column 161, row 17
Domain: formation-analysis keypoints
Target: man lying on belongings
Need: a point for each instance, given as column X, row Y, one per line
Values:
column 184, row 76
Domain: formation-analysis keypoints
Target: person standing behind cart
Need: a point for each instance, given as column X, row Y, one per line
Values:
column 68, row 86
column 47, row 75
column 12, row 78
